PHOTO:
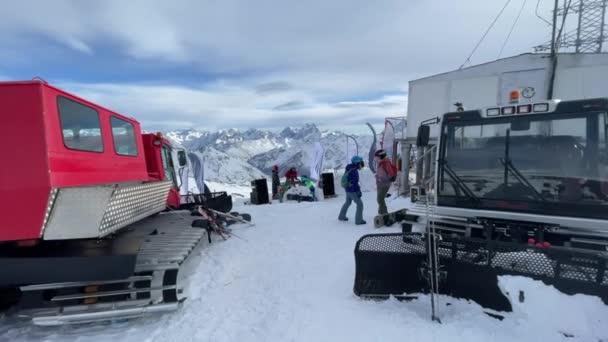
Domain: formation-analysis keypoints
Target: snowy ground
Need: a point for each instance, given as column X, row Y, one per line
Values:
column 290, row 279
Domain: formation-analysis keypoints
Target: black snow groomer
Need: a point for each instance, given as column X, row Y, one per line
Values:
column 519, row 190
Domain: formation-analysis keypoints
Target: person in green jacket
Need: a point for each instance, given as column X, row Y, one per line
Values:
column 310, row 185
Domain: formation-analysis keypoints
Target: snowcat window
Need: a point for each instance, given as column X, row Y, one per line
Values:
column 123, row 134
column 562, row 159
column 80, row 126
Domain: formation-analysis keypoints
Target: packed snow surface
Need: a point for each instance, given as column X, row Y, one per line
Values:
column 290, row 278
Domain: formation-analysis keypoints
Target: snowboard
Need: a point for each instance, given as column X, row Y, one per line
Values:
column 389, row 219
column 242, row 216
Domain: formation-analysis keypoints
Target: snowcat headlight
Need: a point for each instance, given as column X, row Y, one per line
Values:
column 508, row 110
column 524, row 109
column 540, row 107
column 493, row 112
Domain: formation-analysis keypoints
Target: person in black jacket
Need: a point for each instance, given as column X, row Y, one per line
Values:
column 276, row 182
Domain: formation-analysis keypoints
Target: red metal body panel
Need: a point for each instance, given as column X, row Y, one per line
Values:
column 173, row 200
column 24, row 176
column 154, row 162
column 38, row 160
column 71, row 167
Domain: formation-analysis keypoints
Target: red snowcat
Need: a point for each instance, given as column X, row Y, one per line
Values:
column 77, row 240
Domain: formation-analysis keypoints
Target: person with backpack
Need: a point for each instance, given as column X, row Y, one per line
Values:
column 350, row 183
column 386, row 174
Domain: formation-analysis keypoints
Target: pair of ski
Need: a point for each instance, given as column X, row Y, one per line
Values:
column 211, row 217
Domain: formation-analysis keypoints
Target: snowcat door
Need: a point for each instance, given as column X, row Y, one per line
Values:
column 397, row 265
column 173, row 200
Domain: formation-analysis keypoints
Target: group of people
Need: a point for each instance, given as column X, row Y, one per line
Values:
column 386, row 174
column 291, row 180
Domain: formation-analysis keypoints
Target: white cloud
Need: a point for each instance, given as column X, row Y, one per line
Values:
column 390, row 36
column 294, row 61
column 228, row 104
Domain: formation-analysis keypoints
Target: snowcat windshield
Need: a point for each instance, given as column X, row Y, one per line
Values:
column 553, row 164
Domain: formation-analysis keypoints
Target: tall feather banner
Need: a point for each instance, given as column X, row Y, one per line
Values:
column 316, row 161
column 388, row 138
column 372, row 149
column 352, row 148
column 198, row 170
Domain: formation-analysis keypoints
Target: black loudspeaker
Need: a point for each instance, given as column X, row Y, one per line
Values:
column 327, row 180
column 253, row 197
column 259, row 194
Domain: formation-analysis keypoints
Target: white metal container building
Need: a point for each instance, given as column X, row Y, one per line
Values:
column 577, row 76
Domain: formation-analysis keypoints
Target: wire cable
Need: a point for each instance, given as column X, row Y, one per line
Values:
column 538, row 15
column 512, row 27
column 485, row 34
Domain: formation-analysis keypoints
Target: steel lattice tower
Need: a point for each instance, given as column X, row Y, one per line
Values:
column 589, row 34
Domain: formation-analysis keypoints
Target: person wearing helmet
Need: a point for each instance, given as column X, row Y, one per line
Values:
column 386, row 173
column 350, row 182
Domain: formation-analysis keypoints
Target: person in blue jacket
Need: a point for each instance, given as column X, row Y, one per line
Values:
column 350, row 182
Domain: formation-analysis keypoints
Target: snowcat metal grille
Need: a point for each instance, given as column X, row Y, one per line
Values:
column 390, row 244
column 132, row 203
column 95, row 211
column 396, row 264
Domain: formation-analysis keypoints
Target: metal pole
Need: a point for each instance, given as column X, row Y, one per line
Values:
column 419, row 164
column 553, row 53
column 406, row 150
column 554, row 30
column 601, row 39
column 427, row 163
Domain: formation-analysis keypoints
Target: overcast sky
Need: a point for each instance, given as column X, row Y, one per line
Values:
column 254, row 63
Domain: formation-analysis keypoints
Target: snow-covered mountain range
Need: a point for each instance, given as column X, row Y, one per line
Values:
column 237, row 157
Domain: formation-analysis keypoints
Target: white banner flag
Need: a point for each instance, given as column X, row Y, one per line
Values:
column 388, row 139
column 352, row 148
column 198, row 170
column 316, row 161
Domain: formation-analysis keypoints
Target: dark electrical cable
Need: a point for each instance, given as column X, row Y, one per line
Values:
column 512, row 27
column 538, row 15
column 485, row 34
column 556, row 49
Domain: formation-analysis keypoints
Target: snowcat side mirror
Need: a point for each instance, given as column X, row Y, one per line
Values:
column 181, row 157
column 424, row 133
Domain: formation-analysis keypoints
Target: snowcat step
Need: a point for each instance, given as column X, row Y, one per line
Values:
column 105, row 315
column 396, row 265
column 160, row 276
column 111, row 293
column 79, row 284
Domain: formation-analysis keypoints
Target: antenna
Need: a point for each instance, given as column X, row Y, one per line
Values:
column 590, row 32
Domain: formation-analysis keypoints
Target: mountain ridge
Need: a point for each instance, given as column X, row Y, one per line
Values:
column 234, row 156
